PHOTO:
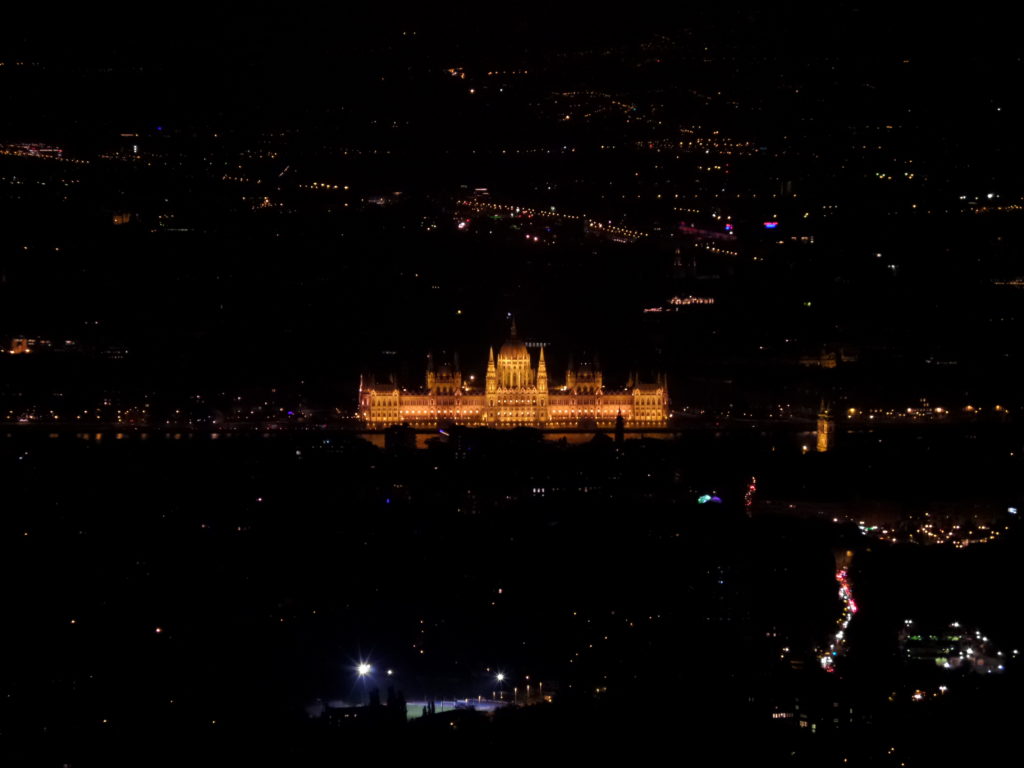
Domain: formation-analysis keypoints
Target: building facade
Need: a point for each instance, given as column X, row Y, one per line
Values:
column 515, row 394
column 826, row 436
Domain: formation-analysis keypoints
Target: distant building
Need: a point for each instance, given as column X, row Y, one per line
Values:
column 826, row 429
column 950, row 647
column 515, row 394
column 21, row 345
column 829, row 358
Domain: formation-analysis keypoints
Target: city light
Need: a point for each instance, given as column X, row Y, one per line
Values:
column 191, row 306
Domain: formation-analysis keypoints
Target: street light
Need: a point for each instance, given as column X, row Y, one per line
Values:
column 500, row 693
column 364, row 669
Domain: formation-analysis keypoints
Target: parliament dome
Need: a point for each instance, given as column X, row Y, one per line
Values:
column 514, row 349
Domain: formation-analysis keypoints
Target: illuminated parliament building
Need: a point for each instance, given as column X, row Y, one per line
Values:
column 515, row 394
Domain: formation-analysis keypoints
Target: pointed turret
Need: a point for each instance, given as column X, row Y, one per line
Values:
column 491, row 380
column 490, row 389
column 826, row 427
column 542, row 412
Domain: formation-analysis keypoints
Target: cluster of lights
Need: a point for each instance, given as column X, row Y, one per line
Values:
column 16, row 182
column 748, row 496
column 719, row 251
column 240, row 179
column 613, row 230
column 542, row 150
column 320, row 185
column 148, row 159
column 624, row 623
column 31, row 150
column 690, row 229
column 923, row 412
column 481, row 207
column 719, row 145
column 921, row 695
column 262, row 203
column 959, row 536
column 360, row 152
column 838, row 644
column 600, row 227
column 685, row 301
column 961, row 649
column 597, row 94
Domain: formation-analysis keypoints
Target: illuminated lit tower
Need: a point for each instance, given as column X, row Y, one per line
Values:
column 491, row 389
column 515, row 371
column 542, row 389
column 826, row 428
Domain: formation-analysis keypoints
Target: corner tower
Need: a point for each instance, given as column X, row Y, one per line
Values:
column 826, row 428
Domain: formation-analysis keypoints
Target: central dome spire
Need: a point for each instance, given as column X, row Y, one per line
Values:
column 514, row 348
